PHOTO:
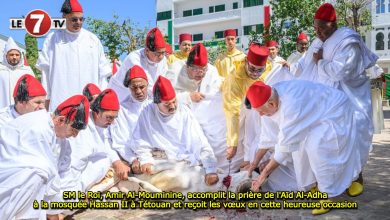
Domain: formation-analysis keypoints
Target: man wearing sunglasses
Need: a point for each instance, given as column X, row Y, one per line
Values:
column 198, row 84
column 33, row 150
column 242, row 123
column 302, row 45
column 338, row 57
column 151, row 58
column 71, row 58
column 233, row 91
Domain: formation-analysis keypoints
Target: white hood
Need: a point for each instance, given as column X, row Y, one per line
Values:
column 11, row 45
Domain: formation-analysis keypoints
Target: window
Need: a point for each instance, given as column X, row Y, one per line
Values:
column 219, row 34
column 259, row 28
column 250, row 3
column 187, row 13
column 219, row 8
column 197, row 11
column 197, row 37
column 380, row 6
column 164, row 15
column 247, row 29
column 235, row 5
column 388, row 42
column 379, row 44
column 211, row 9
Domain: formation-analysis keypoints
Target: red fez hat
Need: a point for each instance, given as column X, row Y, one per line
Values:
column 272, row 43
column 71, row 108
column 92, row 89
column 258, row 55
column 33, row 87
column 137, row 72
column 168, row 49
column 258, row 94
column 155, row 40
column 302, row 36
column 185, row 36
column 326, row 12
column 109, row 100
column 230, row 32
column 75, row 5
column 163, row 87
column 200, row 55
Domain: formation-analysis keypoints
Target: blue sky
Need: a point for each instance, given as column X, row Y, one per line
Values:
column 142, row 12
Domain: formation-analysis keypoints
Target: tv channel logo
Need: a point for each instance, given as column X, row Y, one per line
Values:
column 37, row 23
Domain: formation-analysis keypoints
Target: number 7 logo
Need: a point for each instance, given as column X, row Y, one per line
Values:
column 37, row 23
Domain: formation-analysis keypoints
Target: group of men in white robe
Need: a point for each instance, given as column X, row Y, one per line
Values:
column 337, row 59
column 172, row 126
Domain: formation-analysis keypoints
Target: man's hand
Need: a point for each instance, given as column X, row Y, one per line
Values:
column 196, row 96
column 147, row 168
column 121, row 169
column 284, row 64
column 318, row 56
column 136, row 167
column 256, row 184
column 231, row 152
column 252, row 167
column 244, row 165
column 55, row 217
column 263, row 165
column 211, row 179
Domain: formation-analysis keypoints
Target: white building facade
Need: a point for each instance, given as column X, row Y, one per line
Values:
column 378, row 40
column 207, row 19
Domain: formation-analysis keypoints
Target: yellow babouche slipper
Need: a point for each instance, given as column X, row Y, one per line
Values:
column 355, row 189
column 321, row 210
column 314, row 189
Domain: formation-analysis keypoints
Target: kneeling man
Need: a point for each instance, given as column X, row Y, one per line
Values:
column 315, row 122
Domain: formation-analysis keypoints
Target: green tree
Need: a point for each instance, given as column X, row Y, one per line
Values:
column 32, row 53
column 214, row 51
column 118, row 37
column 288, row 19
column 355, row 14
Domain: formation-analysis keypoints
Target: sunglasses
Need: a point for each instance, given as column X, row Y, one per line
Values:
column 198, row 69
column 158, row 54
column 75, row 19
column 254, row 70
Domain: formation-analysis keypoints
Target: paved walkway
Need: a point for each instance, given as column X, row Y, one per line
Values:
column 373, row 204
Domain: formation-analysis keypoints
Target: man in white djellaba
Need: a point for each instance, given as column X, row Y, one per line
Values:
column 29, row 96
column 316, row 130
column 302, row 45
column 122, row 130
column 11, row 69
column 338, row 57
column 71, row 58
column 167, row 134
column 32, row 150
column 198, row 85
column 151, row 58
